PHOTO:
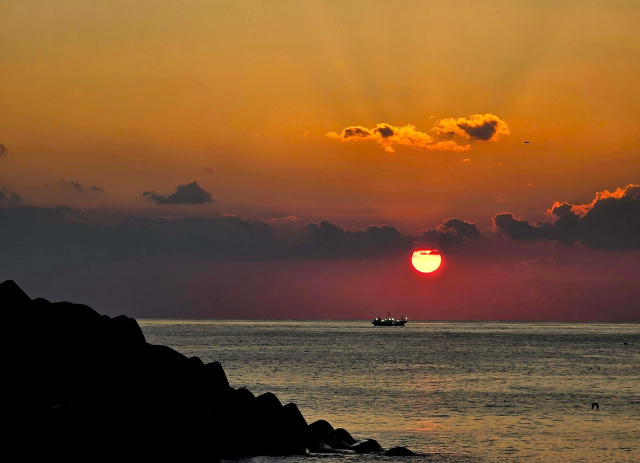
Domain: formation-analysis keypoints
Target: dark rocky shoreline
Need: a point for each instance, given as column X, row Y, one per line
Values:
column 86, row 386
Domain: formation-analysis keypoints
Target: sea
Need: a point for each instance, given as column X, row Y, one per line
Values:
column 449, row 391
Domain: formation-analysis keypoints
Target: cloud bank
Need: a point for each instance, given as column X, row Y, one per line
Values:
column 451, row 232
column 8, row 195
column 484, row 127
column 190, row 193
column 610, row 221
column 329, row 239
column 60, row 237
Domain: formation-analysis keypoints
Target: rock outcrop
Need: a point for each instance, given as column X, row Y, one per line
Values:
column 84, row 386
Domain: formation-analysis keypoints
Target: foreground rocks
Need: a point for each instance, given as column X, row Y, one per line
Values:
column 84, row 386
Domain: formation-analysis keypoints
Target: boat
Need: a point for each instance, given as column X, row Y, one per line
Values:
column 390, row 321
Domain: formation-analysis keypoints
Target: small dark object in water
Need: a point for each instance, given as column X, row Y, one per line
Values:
column 595, row 405
column 399, row 452
column 626, row 343
column 390, row 321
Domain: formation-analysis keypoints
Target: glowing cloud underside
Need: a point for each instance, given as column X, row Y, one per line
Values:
column 426, row 260
column 482, row 127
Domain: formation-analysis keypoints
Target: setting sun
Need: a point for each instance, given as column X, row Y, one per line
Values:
column 426, row 260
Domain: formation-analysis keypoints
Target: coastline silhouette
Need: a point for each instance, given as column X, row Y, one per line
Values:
column 88, row 385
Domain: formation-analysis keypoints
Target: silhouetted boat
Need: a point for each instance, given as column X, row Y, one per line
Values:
column 390, row 321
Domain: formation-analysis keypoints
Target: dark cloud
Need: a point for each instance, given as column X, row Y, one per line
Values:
column 325, row 233
column 3, row 150
column 76, row 186
column 190, row 193
column 62, row 183
column 519, row 229
column 385, row 131
column 462, row 228
column 610, row 221
column 34, row 214
column 224, row 238
column 34, row 238
column 356, row 131
column 8, row 195
column 451, row 232
column 486, row 127
column 482, row 132
column 208, row 170
column 58, row 237
column 329, row 239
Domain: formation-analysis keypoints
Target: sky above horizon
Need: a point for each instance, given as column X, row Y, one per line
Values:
column 393, row 115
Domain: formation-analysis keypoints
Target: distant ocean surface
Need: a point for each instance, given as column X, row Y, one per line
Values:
column 468, row 392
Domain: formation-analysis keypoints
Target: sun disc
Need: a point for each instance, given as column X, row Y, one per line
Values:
column 426, row 260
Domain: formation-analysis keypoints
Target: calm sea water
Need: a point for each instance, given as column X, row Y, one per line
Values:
column 451, row 391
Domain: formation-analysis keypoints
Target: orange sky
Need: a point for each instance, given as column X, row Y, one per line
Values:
column 133, row 97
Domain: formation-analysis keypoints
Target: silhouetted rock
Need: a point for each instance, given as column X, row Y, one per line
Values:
column 399, row 452
column 128, row 330
column 215, row 376
column 329, row 438
column 293, row 419
column 83, row 385
column 368, row 446
column 12, row 295
column 266, row 403
column 322, row 431
column 321, row 447
column 244, row 395
column 321, row 425
column 344, row 436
